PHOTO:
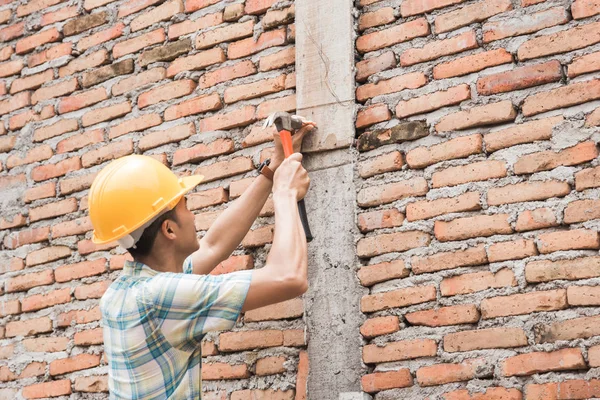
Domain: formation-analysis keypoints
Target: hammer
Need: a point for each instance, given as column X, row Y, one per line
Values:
column 285, row 123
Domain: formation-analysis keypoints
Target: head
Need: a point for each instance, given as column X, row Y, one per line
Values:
column 173, row 232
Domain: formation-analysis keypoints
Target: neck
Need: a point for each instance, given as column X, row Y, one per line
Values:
column 164, row 261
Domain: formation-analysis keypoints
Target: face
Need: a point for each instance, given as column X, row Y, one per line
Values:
column 187, row 228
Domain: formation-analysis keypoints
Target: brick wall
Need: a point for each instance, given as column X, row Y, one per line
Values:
column 83, row 82
column 478, row 198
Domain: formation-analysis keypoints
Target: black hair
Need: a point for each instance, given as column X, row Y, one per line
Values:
column 144, row 245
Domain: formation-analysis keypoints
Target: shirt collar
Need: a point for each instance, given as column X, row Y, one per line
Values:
column 135, row 268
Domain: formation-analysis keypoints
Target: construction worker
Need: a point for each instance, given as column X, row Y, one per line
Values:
column 155, row 314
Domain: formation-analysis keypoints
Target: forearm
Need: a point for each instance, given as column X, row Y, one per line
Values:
column 230, row 228
column 288, row 253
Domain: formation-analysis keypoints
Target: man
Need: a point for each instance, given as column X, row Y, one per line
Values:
column 156, row 313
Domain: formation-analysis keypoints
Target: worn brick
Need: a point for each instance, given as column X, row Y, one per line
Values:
column 258, row 237
column 370, row 66
column 415, row 7
column 560, row 42
column 565, row 96
column 587, row 178
column 433, row 50
column 107, row 72
column 434, row 101
column 288, row 309
column 29, row 236
column 377, row 165
column 39, row 301
column 31, row 82
column 584, row 296
column 512, row 250
column 380, row 219
column 43, row 191
column 138, row 43
column 584, row 64
column 84, row 23
column 380, row 326
column 476, row 282
column 28, row 327
column 108, row 152
column 227, row 33
column 78, row 317
column 270, row 366
column 476, row 12
column 535, row 219
column 382, row 16
column 249, row 46
column 46, row 344
column 254, row 89
column 135, row 124
column 577, row 239
column 398, row 351
column 81, row 100
column 198, row 24
column 50, row 131
column 76, row 184
column 532, row 363
column 582, row 210
column 527, row 132
column 527, row 191
column 547, row 160
column 228, row 73
column 79, row 270
column 390, row 192
column 447, row 373
column 398, row 83
column 166, row 92
column 378, row 381
column 397, row 298
column 578, row 268
column 452, row 315
column 224, row 169
column 233, row 264
column 492, row 338
column 76, row 363
column 526, row 23
column 280, row 59
column 493, row 113
column 390, row 36
column 80, row 141
column 478, row 171
column 53, row 388
column 203, row 151
column 449, row 260
column 31, row 42
column 170, row 135
column 91, row 291
column 525, row 303
column 520, row 78
column 233, row 119
column 49, row 171
column 432, row 208
column 460, row 147
column 372, row 274
column 404, row 131
column 391, row 242
column 91, row 384
column 249, row 340
column 52, row 210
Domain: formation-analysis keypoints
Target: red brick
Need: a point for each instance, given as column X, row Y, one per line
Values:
column 370, row 221
column 258, row 7
column 138, row 43
column 14, row 221
column 52, row 53
column 396, row 84
column 10, row 307
column 139, row 80
column 228, row 73
column 56, row 129
column 294, row 338
column 513, row 250
column 565, row 96
column 52, row 210
column 256, row 394
column 398, row 351
column 476, row 282
column 19, row 120
column 85, row 247
column 414, row 7
column 135, row 124
column 233, row 264
column 92, row 60
column 91, row 384
column 166, row 92
column 80, row 141
column 584, row 296
column 547, row 160
column 6, row 351
column 452, row 315
column 32, row 235
column 258, row 237
column 52, row 388
column 432, row 208
column 218, row 371
column 493, row 113
column 560, row 42
column 572, row 389
column 248, row 46
column 449, row 260
column 380, row 326
column 377, row 195
column 91, row 291
column 15, row 102
column 266, row 108
column 39, row 39
column 535, row 219
column 434, row 101
column 476, row 12
column 577, row 239
column 88, row 337
column 207, row 198
column 578, row 268
column 492, row 338
column 287, row 309
column 81, row 100
column 270, row 366
column 46, row 255
column 520, row 78
column 171, row 135
column 370, row 66
column 46, row 344
column 12, row 31
column 525, row 303
column 585, row 8
column 234, row 119
column 76, row 184
column 391, row 242
column 382, row 16
column 397, row 298
column 28, row 327
column 76, row 363
column 372, row 115
column 108, row 152
column 163, row 12
column 255, row 89
column 203, row 152
column 193, row 5
column 105, row 113
column 249, row 340
column 532, row 363
column 224, row 169
column 277, row 60
column 378, row 381
column 13, row 68
column 584, row 64
column 372, row 274
column 49, row 171
column 447, row 373
column 527, row 23
column 10, row 181
column 31, row 81
column 587, row 178
column 478, row 171
column 390, row 36
column 27, row 281
column 584, row 327
column 198, row 24
column 527, row 132
column 378, row 165
column 433, row 50
column 582, row 210
column 527, row 191
column 460, row 147
column 78, row 317
column 79, row 270
column 227, row 33
column 39, row 301
column 62, row 14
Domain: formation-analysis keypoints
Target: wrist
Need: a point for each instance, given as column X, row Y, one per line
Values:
column 275, row 163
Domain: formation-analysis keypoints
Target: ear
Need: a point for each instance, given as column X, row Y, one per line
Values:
column 168, row 229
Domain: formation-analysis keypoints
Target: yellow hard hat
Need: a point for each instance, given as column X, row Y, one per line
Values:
column 131, row 191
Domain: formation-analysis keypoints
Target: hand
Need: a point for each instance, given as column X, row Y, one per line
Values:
column 291, row 177
column 297, row 139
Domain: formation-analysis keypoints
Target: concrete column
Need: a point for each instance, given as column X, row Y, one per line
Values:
column 325, row 94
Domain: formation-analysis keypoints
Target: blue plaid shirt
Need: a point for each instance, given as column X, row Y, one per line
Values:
column 153, row 323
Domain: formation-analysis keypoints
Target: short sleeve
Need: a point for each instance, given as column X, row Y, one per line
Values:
column 188, row 267
column 191, row 305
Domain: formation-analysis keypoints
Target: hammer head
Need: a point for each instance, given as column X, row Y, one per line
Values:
column 284, row 121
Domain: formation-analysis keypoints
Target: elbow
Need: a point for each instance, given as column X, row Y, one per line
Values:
column 298, row 285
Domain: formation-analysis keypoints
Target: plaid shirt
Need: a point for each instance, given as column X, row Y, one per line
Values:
column 153, row 323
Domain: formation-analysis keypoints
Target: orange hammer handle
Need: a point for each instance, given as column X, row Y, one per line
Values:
column 286, row 141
